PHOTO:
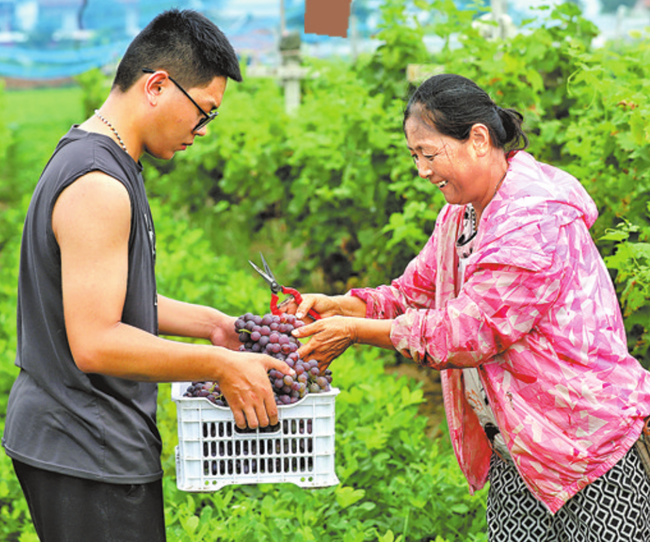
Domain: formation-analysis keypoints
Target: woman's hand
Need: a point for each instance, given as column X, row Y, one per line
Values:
column 329, row 338
column 326, row 306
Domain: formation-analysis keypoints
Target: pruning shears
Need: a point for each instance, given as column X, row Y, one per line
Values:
column 275, row 287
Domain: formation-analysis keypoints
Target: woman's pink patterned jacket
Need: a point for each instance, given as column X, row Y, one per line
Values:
column 538, row 315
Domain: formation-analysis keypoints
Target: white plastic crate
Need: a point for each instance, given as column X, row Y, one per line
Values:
column 213, row 452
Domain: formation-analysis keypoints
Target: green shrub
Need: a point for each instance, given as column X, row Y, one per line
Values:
column 95, row 85
column 630, row 261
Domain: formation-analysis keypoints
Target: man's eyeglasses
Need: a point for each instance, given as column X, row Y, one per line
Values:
column 207, row 117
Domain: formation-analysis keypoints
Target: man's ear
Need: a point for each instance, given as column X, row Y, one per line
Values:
column 154, row 84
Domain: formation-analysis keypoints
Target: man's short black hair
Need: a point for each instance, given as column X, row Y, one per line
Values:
column 184, row 43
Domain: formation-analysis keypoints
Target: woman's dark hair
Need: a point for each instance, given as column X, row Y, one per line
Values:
column 186, row 44
column 452, row 104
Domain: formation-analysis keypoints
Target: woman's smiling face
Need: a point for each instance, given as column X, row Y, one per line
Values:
column 452, row 165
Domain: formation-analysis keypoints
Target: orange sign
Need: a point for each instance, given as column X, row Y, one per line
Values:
column 327, row 17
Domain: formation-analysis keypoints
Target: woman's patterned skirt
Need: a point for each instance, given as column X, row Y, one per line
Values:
column 613, row 508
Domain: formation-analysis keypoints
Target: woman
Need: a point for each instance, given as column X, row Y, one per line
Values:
column 511, row 300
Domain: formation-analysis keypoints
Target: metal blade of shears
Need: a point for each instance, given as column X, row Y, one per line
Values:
column 268, row 276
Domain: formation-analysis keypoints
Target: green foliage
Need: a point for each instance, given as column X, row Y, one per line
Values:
column 631, row 262
column 609, row 131
column 401, row 37
column 348, row 157
column 95, row 85
column 5, row 134
column 188, row 269
column 12, row 221
column 32, row 137
column 528, row 72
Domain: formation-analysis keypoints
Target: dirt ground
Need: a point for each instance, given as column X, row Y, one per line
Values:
column 432, row 407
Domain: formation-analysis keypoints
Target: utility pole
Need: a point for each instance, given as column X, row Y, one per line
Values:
column 498, row 7
column 621, row 12
column 354, row 37
column 499, row 12
column 283, row 23
column 289, row 71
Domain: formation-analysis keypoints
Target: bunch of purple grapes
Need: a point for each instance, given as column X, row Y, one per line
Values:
column 271, row 334
column 209, row 390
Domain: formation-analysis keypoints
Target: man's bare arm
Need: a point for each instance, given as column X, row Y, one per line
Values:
column 91, row 222
column 181, row 319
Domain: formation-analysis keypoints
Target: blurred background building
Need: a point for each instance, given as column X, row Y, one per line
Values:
column 54, row 39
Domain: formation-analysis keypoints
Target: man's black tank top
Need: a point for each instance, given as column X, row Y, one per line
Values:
column 59, row 418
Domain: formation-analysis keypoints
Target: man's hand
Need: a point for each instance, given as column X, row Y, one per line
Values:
column 225, row 335
column 247, row 388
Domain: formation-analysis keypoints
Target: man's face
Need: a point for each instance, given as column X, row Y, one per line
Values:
column 173, row 129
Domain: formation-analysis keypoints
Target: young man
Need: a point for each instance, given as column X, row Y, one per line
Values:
column 81, row 425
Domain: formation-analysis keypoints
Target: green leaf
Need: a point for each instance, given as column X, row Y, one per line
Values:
column 614, row 235
column 347, row 496
column 459, row 508
column 190, row 524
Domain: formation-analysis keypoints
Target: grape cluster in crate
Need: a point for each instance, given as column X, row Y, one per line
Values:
column 271, row 334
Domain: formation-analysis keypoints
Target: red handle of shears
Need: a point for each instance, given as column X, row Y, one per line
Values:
column 297, row 297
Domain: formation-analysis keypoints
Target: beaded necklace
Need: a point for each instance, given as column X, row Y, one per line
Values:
column 98, row 114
